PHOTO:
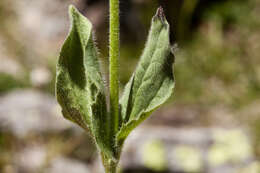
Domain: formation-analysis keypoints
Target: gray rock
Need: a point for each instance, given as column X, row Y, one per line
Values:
column 65, row 165
column 40, row 76
column 192, row 150
column 31, row 159
column 42, row 19
column 34, row 158
column 10, row 66
column 30, row 111
column 38, row 28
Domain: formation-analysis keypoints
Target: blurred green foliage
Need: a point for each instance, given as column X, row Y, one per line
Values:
column 220, row 64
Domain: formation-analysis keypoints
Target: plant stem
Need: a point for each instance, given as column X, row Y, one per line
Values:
column 113, row 69
column 111, row 168
column 109, row 165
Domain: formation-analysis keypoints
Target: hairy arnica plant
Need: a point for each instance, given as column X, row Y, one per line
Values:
column 80, row 89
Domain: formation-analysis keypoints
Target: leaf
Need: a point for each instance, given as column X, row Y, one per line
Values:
column 79, row 86
column 152, row 83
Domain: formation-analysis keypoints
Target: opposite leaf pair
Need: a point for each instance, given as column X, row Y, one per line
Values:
column 80, row 89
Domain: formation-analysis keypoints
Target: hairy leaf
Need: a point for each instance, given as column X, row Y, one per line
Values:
column 152, row 82
column 79, row 86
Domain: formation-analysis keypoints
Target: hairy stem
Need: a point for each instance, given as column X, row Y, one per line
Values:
column 109, row 165
column 111, row 168
column 113, row 69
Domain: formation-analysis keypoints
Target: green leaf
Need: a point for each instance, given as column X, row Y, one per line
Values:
column 152, row 83
column 79, row 86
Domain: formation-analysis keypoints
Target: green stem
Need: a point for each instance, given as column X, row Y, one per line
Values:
column 109, row 165
column 113, row 69
column 111, row 168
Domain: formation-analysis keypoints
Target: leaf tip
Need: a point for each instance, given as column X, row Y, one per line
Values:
column 72, row 9
column 160, row 13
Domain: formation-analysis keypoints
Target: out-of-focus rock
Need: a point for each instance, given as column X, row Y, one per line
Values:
column 42, row 19
column 30, row 111
column 11, row 67
column 176, row 115
column 31, row 159
column 208, row 150
column 34, row 158
column 36, row 29
column 40, row 76
column 194, row 115
column 65, row 165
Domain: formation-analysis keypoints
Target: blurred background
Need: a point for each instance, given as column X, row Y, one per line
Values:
column 210, row 125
